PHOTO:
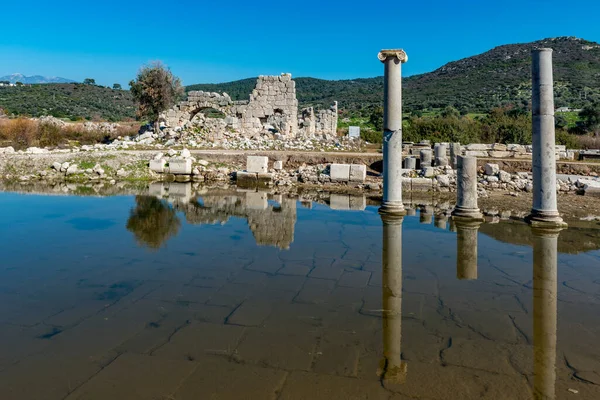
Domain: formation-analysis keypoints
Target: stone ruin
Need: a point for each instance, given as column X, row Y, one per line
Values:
column 271, row 109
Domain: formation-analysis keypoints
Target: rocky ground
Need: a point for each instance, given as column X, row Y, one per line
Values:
column 99, row 166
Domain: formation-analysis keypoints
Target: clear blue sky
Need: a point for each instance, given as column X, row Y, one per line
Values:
column 217, row 41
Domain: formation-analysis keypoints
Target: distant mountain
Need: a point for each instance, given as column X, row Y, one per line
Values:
column 14, row 78
column 475, row 84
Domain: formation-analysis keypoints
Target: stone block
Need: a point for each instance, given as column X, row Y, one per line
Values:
column 478, row 147
column 500, row 154
column 358, row 173
column 357, row 203
column 278, row 165
column 339, row 201
column 257, row 164
column 522, row 155
column 256, row 201
column 476, row 153
column 499, row 147
column 157, row 189
column 339, row 172
column 246, row 179
column 428, row 172
column 158, row 165
column 180, row 166
column 491, row 169
column 181, row 191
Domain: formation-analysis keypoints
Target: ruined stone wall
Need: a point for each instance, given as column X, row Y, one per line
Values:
column 273, row 105
column 271, row 109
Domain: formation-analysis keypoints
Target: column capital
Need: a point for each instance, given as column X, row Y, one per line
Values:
column 398, row 53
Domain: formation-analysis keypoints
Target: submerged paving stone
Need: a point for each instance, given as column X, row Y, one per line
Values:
column 197, row 339
column 133, row 376
column 289, row 351
column 229, row 380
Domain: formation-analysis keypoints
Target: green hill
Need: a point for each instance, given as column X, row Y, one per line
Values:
column 68, row 100
column 474, row 84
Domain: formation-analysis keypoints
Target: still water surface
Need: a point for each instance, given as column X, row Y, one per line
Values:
column 246, row 295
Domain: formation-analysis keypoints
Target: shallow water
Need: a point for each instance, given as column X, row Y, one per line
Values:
column 248, row 295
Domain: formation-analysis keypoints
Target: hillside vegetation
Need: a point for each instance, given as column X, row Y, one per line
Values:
column 68, row 100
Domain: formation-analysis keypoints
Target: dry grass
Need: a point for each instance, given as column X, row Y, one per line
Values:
column 21, row 133
column 588, row 142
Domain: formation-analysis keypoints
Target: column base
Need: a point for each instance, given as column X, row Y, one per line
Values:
column 392, row 208
column 392, row 374
column 467, row 214
column 545, row 219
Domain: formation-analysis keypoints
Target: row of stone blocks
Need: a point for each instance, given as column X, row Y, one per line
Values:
column 347, row 172
column 173, row 166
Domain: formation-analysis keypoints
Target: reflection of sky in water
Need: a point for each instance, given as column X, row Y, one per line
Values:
column 75, row 283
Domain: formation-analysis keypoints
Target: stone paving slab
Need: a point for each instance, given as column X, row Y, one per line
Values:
column 218, row 379
column 266, row 348
column 197, row 339
column 251, row 313
column 307, row 385
column 133, row 377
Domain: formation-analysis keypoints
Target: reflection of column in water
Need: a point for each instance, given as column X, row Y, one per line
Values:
column 544, row 312
column 411, row 211
column 392, row 368
column 426, row 215
column 452, row 225
column 440, row 221
column 466, row 249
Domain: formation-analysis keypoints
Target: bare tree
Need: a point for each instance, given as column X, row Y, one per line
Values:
column 155, row 89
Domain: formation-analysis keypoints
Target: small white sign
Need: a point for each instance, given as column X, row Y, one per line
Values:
column 354, row 131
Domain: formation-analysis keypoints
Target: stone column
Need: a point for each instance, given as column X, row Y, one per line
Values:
column 466, row 189
column 544, row 312
column 410, row 163
column 392, row 369
column 392, row 130
column 425, row 156
column 426, row 214
column 441, row 159
column 544, row 208
column 454, row 152
column 440, row 221
column 466, row 248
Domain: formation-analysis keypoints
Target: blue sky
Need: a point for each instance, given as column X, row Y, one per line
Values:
column 216, row 41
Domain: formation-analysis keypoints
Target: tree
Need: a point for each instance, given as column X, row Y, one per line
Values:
column 153, row 221
column 376, row 118
column 19, row 83
column 117, row 86
column 89, row 81
column 450, row 112
column 155, row 89
column 590, row 115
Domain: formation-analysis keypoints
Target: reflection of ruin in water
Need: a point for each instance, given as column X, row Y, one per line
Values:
column 544, row 312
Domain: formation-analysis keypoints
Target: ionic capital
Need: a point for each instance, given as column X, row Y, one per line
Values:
column 398, row 53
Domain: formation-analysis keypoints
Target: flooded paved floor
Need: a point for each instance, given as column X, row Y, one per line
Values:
column 254, row 296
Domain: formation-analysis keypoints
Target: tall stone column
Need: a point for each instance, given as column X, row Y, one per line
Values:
column 545, row 209
column 466, row 189
column 392, row 130
column 544, row 312
column 466, row 248
column 392, row 369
